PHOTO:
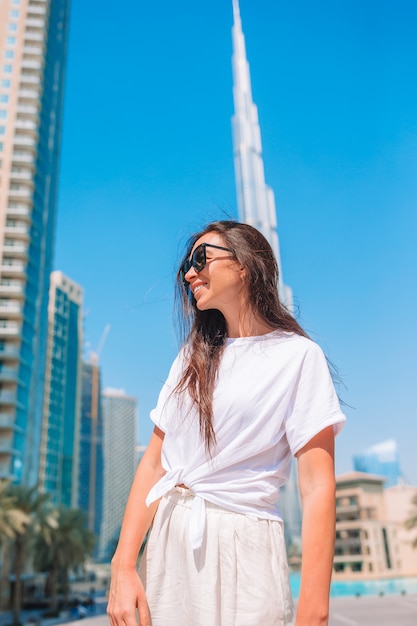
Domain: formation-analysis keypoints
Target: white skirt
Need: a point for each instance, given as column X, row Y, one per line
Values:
column 239, row 577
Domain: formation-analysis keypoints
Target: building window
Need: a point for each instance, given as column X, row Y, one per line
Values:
column 7, row 69
column 1, row 147
column 12, row 26
column 9, row 54
column 6, row 83
column 14, row 13
column 10, row 41
column 2, row 130
column 3, row 115
column 4, row 97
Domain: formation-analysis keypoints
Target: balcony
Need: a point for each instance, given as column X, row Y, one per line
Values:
column 8, row 397
column 35, row 51
column 30, row 64
column 23, row 175
column 9, row 329
column 29, row 94
column 26, row 158
column 26, row 142
column 7, row 421
column 13, row 269
column 37, row 37
column 12, row 287
column 35, row 22
column 27, row 126
column 9, row 352
column 11, row 308
column 30, row 82
column 9, row 375
column 16, row 231
column 32, row 10
column 19, row 211
column 25, row 192
column 17, row 249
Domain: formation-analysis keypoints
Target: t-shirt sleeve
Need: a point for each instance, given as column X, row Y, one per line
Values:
column 315, row 403
column 160, row 414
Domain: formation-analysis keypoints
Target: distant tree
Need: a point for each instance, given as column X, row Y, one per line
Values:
column 411, row 522
column 40, row 518
column 65, row 548
column 12, row 522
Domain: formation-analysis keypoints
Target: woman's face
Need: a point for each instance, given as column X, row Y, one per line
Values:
column 219, row 285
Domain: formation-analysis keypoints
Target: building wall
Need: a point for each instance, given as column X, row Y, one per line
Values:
column 33, row 42
column 58, row 473
column 119, row 445
column 399, row 507
column 369, row 535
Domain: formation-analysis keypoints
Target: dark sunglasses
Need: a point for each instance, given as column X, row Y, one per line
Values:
column 198, row 259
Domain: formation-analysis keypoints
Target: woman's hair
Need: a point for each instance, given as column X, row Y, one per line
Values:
column 205, row 332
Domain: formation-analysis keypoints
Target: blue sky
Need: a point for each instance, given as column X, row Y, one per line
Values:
column 147, row 159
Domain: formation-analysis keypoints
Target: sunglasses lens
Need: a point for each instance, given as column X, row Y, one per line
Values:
column 186, row 266
column 199, row 258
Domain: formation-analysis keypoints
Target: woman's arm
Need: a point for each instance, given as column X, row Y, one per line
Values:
column 317, row 488
column 126, row 590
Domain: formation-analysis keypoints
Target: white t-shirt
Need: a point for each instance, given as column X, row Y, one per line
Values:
column 273, row 394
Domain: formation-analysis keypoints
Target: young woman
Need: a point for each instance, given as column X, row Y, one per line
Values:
column 247, row 391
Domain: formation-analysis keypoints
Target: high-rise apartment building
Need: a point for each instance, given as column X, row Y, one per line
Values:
column 58, row 468
column 90, row 454
column 119, row 448
column 33, row 42
column 381, row 459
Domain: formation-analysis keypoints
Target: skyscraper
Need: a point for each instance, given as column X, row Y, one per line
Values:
column 256, row 206
column 90, row 465
column 255, row 200
column 119, row 449
column 33, row 42
column 58, row 468
column 381, row 459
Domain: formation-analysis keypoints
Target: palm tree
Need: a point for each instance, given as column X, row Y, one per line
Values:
column 40, row 515
column 66, row 548
column 12, row 522
column 411, row 522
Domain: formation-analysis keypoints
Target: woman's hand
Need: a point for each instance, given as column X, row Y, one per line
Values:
column 127, row 595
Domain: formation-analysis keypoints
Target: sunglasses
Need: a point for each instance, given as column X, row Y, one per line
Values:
column 198, row 259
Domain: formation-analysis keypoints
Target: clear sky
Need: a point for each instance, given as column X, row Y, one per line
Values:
column 147, row 159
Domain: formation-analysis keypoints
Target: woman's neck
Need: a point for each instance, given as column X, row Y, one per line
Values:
column 248, row 326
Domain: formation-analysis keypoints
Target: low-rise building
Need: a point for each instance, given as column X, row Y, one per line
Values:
column 371, row 538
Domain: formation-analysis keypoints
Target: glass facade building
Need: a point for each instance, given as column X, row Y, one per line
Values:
column 90, row 454
column 33, row 43
column 58, row 468
column 382, row 459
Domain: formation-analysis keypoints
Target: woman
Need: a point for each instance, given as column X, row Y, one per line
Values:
column 247, row 391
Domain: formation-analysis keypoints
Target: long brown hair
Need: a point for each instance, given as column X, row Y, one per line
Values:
column 204, row 332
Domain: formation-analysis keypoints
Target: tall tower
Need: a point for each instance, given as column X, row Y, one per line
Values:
column 33, row 43
column 255, row 200
column 256, row 206
column 58, row 468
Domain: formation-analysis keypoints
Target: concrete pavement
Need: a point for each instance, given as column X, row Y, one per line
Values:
column 349, row 611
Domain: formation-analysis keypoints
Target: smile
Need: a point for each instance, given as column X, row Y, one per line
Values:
column 197, row 289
